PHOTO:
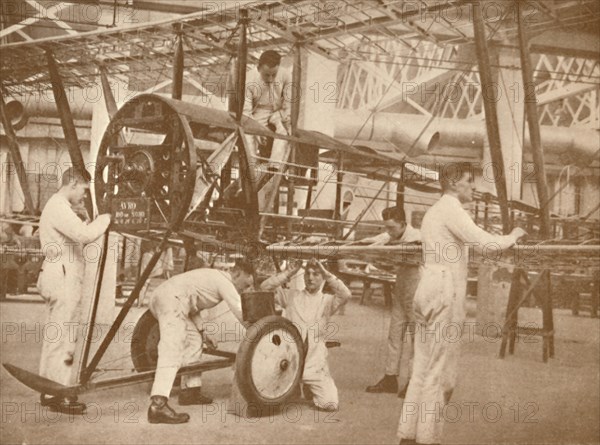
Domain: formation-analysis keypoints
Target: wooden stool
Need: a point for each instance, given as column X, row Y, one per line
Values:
column 521, row 289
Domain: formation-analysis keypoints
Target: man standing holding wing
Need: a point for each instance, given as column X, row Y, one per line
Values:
column 439, row 302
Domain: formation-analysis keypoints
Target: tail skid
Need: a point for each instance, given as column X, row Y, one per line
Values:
column 41, row 384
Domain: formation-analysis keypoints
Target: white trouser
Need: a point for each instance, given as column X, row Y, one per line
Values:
column 437, row 347
column 279, row 156
column 180, row 344
column 402, row 323
column 60, row 287
column 260, row 115
column 318, row 378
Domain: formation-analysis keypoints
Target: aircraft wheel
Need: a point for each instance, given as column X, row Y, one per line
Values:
column 270, row 361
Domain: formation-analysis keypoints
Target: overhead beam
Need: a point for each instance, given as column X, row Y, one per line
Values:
column 435, row 77
column 17, row 26
column 51, row 15
column 563, row 92
column 401, row 17
column 287, row 35
column 575, row 44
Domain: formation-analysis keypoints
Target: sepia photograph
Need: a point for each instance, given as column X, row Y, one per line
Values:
column 300, row 222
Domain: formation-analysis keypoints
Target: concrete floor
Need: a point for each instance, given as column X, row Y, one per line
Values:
column 516, row 400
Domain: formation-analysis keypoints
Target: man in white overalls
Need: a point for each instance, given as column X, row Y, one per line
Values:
column 63, row 236
column 267, row 100
column 177, row 304
column 310, row 309
column 447, row 232
column 268, row 94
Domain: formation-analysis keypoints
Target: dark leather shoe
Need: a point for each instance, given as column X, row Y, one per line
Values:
column 193, row 396
column 160, row 412
column 70, row 407
column 63, row 404
column 47, row 401
column 402, row 392
column 388, row 384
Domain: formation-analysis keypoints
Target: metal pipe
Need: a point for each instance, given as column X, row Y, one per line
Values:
column 15, row 153
column 15, row 111
column 396, row 128
column 399, row 129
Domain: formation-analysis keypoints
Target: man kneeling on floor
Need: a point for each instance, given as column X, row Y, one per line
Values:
column 177, row 304
column 309, row 309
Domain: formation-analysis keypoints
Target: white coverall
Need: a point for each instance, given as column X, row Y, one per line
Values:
column 261, row 101
column 310, row 314
column 62, row 238
column 402, row 321
column 439, row 310
column 177, row 304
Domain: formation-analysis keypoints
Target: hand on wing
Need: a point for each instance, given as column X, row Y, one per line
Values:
column 518, row 233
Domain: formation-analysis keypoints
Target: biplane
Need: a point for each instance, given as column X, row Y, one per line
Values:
column 178, row 173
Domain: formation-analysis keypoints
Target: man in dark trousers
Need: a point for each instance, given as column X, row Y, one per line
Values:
column 402, row 321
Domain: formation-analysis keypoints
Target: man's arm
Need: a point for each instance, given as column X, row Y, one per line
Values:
column 276, row 282
column 251, row 90
column 248, row 107
column 69, row 224
column 231, row 296
column 287, row 92
column 462, row 226
column 341, row 293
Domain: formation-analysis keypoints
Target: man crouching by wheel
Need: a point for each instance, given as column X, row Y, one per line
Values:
column 176, row 303
column 309, row 309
